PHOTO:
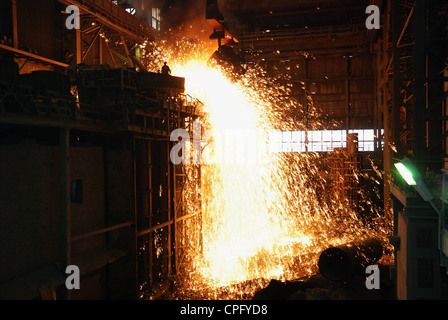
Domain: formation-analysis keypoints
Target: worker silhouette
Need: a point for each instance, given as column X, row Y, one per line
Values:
column 166, row 69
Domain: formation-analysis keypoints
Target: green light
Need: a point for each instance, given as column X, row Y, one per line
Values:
column 405, row 173
column 138, row 54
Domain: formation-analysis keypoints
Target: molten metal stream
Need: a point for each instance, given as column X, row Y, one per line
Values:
column 265, row 215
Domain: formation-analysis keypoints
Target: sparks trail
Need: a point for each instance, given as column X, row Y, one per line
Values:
column 265, row 220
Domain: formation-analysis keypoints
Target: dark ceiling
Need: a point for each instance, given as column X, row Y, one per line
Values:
column 251, row 15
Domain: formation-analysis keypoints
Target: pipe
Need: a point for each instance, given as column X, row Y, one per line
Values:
column 342, row 262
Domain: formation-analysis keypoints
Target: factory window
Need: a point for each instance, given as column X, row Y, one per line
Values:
column 131, row 11
column 156, row 18
column 76, row 192
column 320, row 140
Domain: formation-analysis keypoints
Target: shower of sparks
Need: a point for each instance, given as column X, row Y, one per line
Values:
column 264, row 215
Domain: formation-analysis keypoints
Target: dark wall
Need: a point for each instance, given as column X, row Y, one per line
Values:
column 6, row 19
column 38, row 28
column 29, row 208
column 30, row 228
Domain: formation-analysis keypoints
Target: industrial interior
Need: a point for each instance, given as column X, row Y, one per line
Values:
column 347, row 122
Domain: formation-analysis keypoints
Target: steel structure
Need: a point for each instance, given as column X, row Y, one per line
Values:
column 414, row 108
column 102, row 95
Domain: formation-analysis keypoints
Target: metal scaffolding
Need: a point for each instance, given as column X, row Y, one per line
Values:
column 165, row 227
column 417, row 111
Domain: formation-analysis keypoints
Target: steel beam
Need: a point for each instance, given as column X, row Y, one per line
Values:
column 78, row 44
column 397, row 79
column 91, row 43
column 32, row 55
column 65, row 214
column 88, row 8
column 396, row 3
column 387, row 152
column 103, row 230
column 419, row 76
column 126, row 50
column 15, row 24
column 348, row 101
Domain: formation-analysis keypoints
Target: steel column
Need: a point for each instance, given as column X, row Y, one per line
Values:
column 419, row 77
column 14, row 24
column 65, row 215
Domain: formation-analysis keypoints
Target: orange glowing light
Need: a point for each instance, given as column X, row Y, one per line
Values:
column 264, row 219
